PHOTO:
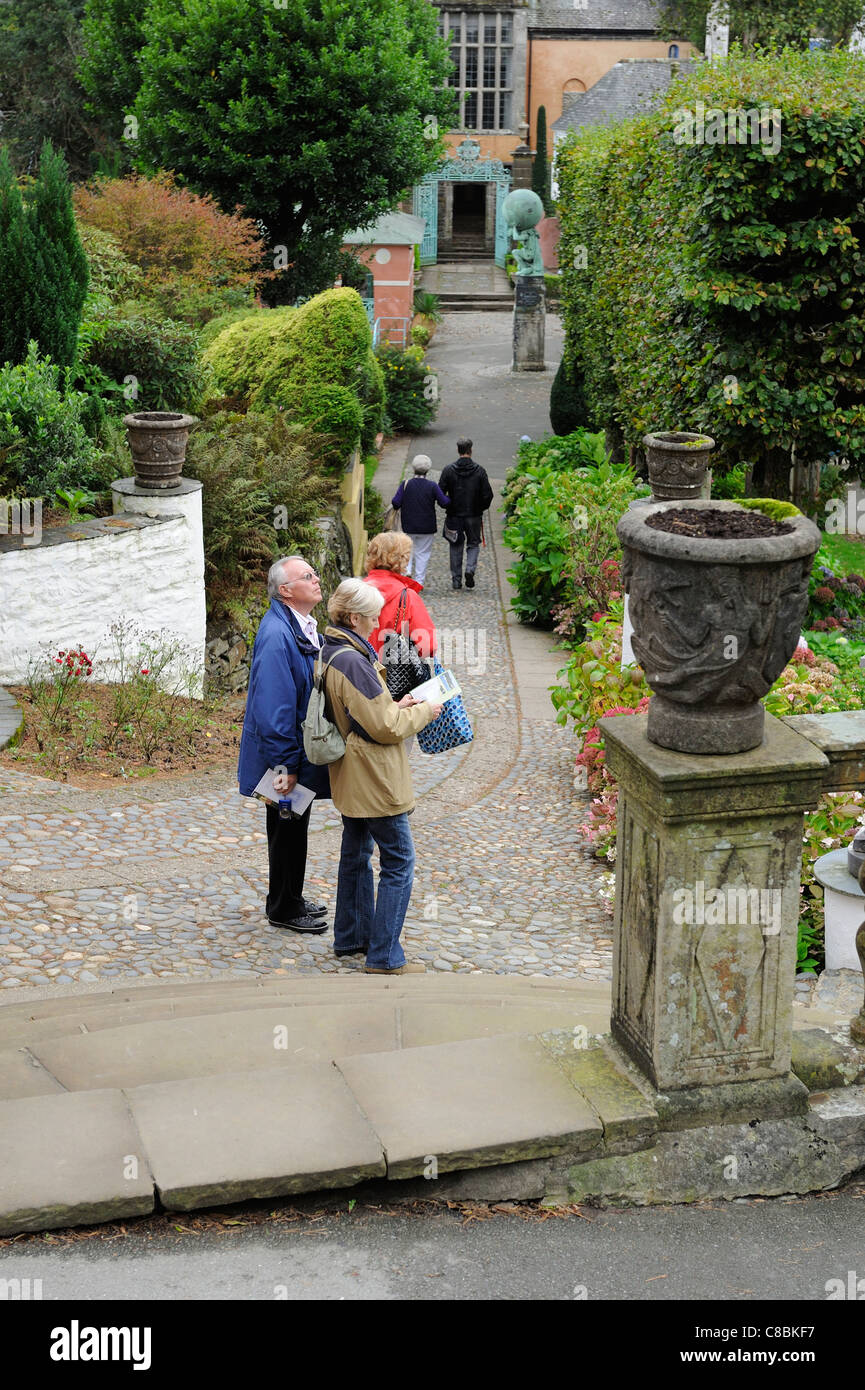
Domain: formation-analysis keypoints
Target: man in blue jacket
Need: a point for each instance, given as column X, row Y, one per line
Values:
column 280, row 681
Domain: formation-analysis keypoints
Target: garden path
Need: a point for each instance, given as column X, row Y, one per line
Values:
column 169, row 879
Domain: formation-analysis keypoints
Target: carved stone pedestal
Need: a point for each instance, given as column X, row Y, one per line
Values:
column 529, row 319
column 707, row 906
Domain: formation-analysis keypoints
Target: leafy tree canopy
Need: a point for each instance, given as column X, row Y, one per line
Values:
column 40, row 95
column 759, row 24
column 315, row 115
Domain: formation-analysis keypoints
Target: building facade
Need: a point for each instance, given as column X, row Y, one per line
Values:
column 510, row 57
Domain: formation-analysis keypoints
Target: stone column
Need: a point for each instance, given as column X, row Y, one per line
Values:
column 707, row 909
column 522, row 160
column 529, row 320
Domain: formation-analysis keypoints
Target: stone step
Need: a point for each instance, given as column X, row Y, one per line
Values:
column 479, row 306
column 309, row 1124
column 470, row 1104
column 273, row 1037
column 29, row 1024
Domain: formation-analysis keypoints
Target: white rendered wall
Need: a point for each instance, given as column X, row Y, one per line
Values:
column 63, row 594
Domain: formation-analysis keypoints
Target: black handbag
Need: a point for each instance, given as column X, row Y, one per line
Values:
column 404, row 668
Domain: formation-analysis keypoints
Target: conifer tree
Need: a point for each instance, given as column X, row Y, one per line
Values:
column 43, row 268
column 17, row 258
column 541, row 168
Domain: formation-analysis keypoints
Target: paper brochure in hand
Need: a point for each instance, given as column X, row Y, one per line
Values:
column 439, row 689
column 300, row 796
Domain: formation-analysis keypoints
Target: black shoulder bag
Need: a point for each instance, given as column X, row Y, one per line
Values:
column 404, row 668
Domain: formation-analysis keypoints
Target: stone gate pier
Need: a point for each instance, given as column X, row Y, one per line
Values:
column 707, row 908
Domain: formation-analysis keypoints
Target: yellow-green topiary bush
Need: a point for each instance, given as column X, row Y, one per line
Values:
column 315, row 363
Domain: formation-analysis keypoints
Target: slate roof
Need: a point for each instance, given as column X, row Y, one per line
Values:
column 393, row 229
column 623, row 15
column 632, row 85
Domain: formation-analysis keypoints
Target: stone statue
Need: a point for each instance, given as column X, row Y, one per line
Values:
column 522, row 211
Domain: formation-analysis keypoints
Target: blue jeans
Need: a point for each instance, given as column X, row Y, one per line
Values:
column 363, row 920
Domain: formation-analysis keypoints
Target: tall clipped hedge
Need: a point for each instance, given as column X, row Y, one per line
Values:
column 316, row 363
column 721, row 287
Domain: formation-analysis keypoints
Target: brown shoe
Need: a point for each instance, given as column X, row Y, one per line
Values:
column 411, row 967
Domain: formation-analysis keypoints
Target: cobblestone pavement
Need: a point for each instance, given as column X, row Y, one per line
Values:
column 168, row 879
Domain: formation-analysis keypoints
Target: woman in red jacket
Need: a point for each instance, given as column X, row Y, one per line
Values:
column 387, row 560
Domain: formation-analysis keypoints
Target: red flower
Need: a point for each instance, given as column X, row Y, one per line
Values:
column 145, row 671
column 597, row 617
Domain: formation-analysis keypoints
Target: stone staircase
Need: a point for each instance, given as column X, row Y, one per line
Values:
column 119, row 1102
column 453, row 303
column 185, row 1096
column 463, row 249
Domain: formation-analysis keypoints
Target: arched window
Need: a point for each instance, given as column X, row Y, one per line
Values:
column 574, row 84
column 673, row 51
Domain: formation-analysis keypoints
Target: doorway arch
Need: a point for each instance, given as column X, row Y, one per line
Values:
column 466, row 167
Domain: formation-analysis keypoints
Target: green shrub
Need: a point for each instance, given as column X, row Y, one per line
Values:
column 334, row 413
column 553, row 288
column 567, row 402
column 263, row 492
column 292, row 358
column 420, row 335
column 373, row 509
column 239, row 355
column 563, row 528
column 537, row 459
column 729, row 486
column 372, row 394
column 411, row 388
column 720, row 287
column 113, row 276
column 427, row 304
column 162, row 357
column 42, row 428
column 211, row 330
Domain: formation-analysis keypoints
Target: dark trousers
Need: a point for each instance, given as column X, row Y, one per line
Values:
column 286, row 854
column 468, row 529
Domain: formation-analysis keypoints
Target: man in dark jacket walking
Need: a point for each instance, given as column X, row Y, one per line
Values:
column 280, row 681
column 417, row 498
column 468, row 487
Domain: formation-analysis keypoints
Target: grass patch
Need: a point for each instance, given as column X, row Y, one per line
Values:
column 842, row 554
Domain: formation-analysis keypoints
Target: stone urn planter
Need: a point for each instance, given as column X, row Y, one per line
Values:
column 157, row 442
column 716, row 618
column 678, row 463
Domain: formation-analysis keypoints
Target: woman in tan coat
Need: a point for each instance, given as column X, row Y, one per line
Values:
column 371, row 785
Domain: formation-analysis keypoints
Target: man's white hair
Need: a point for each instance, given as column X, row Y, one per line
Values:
column 276, row 573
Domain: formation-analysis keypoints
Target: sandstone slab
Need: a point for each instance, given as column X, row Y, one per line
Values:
column 246, row 1135
column 70, row 1160
column 469, row 1104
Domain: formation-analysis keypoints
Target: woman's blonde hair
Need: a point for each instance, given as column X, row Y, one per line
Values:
column 389, row 550
column 354, row 596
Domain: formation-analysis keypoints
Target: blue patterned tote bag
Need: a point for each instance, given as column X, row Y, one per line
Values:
column 452, row 727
